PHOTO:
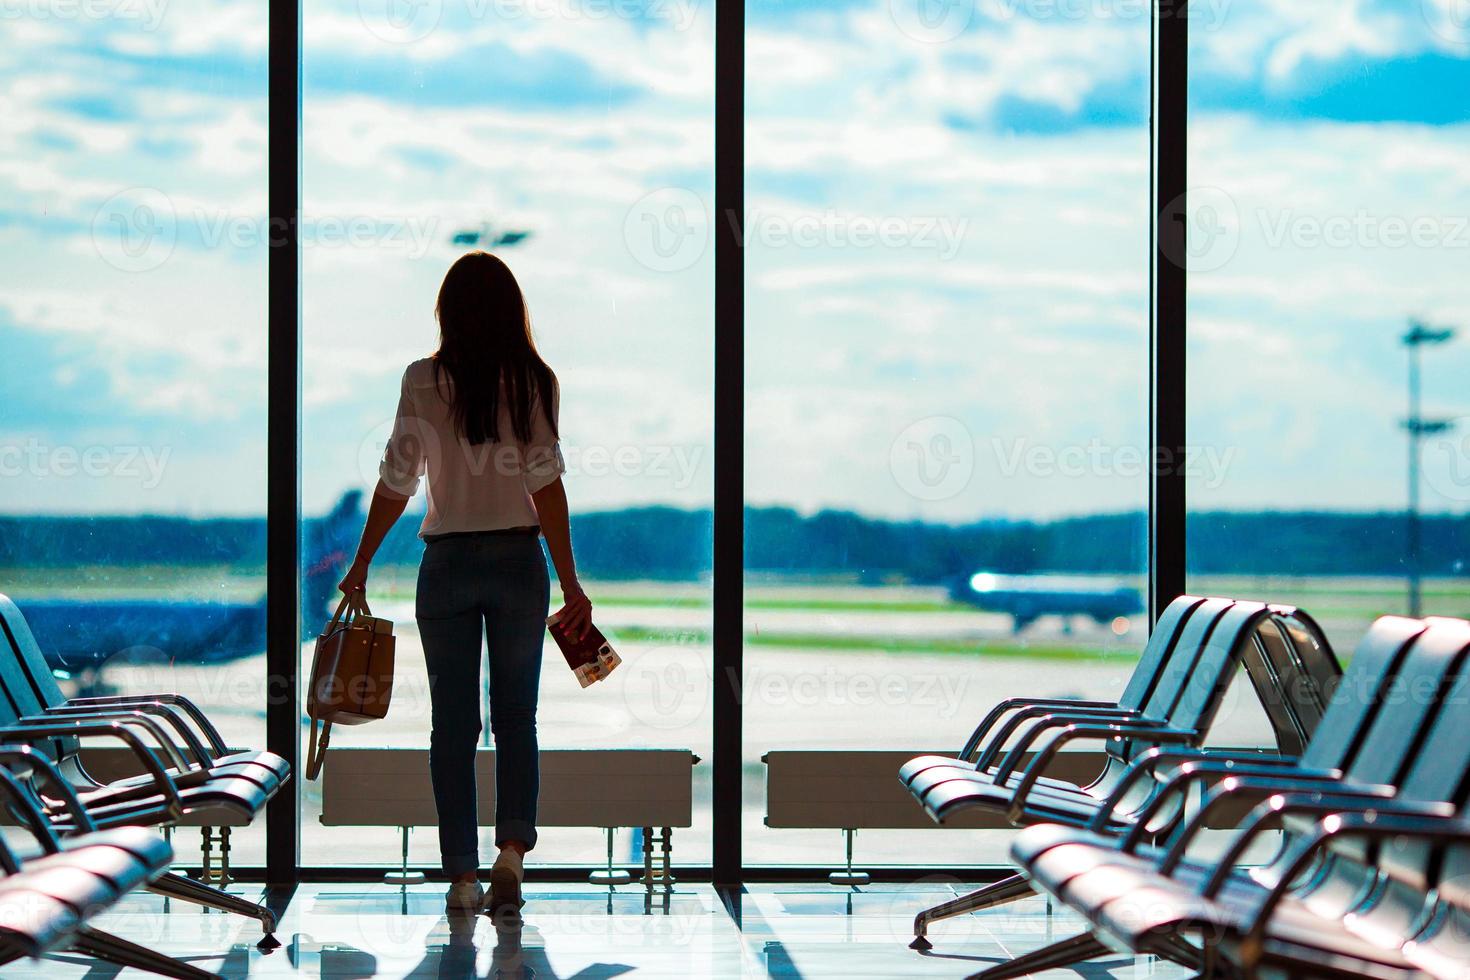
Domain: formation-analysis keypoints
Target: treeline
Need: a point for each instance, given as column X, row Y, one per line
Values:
column 669, row 543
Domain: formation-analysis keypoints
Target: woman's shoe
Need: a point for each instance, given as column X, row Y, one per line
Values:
column 464, row 896
column 505, row 883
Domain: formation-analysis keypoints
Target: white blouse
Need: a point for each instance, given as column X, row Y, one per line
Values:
column 471, row 488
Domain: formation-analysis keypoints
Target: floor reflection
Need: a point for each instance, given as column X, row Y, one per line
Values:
column 572, row 932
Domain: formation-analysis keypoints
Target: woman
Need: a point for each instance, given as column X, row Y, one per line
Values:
column 479, row 420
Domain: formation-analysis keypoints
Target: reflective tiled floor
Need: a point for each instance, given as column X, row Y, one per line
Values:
column 810, row 930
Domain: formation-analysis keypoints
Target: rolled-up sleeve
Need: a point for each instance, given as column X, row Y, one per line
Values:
column 405, row 455
column 541, row 458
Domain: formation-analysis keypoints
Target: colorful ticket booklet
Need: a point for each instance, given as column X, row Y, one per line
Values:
column 590, row 656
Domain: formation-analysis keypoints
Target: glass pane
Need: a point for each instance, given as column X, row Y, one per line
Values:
column 947, row 302
column 579, row 147
column 1328, row 216
column 132, row 320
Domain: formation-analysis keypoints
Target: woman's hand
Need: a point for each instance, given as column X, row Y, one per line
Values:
column 356, row 577
column 576, row 610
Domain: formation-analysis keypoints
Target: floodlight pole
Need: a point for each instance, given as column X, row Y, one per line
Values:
column 1419, row 335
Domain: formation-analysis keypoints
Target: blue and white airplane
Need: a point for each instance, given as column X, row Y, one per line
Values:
column 78, row 636
column 1026, row 598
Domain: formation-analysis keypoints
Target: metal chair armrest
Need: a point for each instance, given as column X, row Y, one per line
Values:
column 972, row 744
column 191, row 740
column 997, row 744
column 26, row 763
column 135, row 718
column 1199, row 770
column 211, row 734
column 1048, row 752
column 113, row 729
column 1258, row 821
column 1436, row 826
column 1012, row 759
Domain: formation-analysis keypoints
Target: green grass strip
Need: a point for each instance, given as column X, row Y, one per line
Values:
column 884, row 644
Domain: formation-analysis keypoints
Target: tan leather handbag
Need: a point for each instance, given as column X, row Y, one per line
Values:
column 351, row 674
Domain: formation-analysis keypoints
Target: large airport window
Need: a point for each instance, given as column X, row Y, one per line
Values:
column 946, row 429
column 575, row 141
column 132, row 320
column 1328, row 343
column 947, row 247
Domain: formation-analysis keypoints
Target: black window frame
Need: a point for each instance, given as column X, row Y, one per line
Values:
column 1166, row 511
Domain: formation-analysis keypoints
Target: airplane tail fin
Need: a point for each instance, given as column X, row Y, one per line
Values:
column 327, row 545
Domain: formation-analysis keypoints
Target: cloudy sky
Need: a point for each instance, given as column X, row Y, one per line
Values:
column 947, row 244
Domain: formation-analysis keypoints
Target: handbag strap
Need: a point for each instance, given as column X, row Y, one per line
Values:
column 317, row 754
column 354, row 603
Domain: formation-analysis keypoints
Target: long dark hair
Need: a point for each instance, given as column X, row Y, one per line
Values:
column 485, row 343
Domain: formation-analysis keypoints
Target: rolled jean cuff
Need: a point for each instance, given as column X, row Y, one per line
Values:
column 461, row 864
column 521, row 830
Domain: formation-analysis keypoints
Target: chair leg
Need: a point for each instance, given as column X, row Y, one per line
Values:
column 1083, row 946
column 1176, row 949
column 1010, row 889
column 188, row 890
column 114, row 949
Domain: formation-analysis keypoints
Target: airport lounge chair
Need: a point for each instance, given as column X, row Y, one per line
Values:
column 996, row 728
column 1184, row 647
column 1209, row 639
column 1401, row 724
column 192, row 784
column 27, row 673
column 48, row 899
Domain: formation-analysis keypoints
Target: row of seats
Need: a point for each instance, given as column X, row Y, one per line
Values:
column 1193, row 653
column 1371, row 872
column 96, row 840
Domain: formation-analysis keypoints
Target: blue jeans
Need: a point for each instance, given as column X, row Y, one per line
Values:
column 495, row 586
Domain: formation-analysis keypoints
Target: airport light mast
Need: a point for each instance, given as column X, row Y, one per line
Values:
column 1419, row 335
